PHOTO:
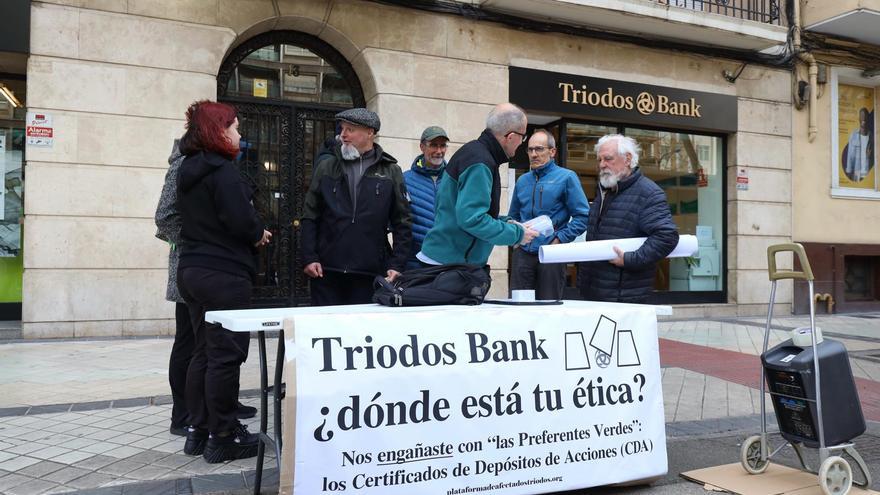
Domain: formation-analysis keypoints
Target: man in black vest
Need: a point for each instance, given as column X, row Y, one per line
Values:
column 467, row 224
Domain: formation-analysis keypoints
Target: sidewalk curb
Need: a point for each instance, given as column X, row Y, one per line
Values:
column 156, row 400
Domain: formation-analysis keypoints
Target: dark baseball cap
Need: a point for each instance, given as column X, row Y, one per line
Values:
column 433, row 132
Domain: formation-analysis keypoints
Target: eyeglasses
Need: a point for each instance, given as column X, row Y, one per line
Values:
column 537, row 149
column 522, row 136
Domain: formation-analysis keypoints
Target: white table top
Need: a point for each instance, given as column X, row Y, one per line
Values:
column 248, row 320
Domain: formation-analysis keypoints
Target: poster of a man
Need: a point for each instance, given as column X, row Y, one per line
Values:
column 856, row 127
column 859, row 151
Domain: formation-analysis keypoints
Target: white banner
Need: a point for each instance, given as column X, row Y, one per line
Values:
column 491, row 399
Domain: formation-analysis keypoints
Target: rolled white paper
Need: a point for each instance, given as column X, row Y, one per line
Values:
column 574, row 252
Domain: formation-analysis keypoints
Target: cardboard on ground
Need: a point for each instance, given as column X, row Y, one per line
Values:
column 776, row 480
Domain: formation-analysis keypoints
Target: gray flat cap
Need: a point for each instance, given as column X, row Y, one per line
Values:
column 360, row 116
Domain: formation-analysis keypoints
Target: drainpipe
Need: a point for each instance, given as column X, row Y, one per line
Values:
column 807, row 58
column 814, row 90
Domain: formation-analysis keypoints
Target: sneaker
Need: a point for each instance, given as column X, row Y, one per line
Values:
column 245, row 412
column 178, row 430
column 236, row 444
column 196, row 438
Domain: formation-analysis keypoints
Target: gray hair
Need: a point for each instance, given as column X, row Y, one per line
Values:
column 505, row 118
column 625, row 145
column 551, row 141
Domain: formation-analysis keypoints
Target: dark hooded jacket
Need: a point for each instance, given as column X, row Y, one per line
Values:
column 635, row 208
column 348, row 233
column 220, row 225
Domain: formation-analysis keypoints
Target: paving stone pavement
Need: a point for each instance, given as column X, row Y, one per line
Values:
column 74, row 450
column 94, row 370
column 93, row 417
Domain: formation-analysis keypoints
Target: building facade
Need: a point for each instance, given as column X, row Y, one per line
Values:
column 837, row 188
column 713, row 116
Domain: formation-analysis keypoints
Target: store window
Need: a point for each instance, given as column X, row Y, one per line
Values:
column 689, row 168
column 694, row 194
column 12, row 114
column 854, row 136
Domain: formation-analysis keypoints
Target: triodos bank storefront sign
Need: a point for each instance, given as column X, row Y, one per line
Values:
column 621, row 101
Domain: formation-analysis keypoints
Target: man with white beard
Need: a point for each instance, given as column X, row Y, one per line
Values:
column 422, row 180
column 627, row 204
column 354, row 194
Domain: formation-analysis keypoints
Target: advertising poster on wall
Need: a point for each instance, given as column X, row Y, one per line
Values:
column 857, row 139
column 39, row 130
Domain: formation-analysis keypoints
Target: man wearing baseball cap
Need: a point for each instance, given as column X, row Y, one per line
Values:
column 354, row 194
column 421, row 184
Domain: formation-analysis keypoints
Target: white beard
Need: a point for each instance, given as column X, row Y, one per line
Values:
column 349, row 152
column 608, row 180
column 435, row 161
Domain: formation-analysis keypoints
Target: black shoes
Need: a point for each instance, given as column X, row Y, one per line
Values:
column 178, row 430
column 245, row 412
column 235, row 444
column 196, row 438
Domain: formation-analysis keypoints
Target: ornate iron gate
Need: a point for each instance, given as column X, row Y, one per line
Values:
column 283, row 135
column 281, row 141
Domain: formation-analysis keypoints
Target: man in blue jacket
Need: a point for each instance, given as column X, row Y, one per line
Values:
column 546, row 189
column 627, row 204
column 467, row 224
column 422, row 180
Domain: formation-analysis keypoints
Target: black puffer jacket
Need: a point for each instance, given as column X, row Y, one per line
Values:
column 637, row 208
column 220, row 226
column 351, row 238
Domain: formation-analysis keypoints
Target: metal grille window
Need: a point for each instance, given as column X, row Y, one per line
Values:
column 766, row 11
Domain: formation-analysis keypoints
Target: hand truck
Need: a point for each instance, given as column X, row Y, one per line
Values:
column 798, row 398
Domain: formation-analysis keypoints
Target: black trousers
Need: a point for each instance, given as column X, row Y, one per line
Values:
column 528, row 273
column 213, row 374
column 181, row 354
column 336, row 288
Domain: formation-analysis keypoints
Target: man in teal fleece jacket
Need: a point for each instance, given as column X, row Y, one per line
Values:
column 466, row 223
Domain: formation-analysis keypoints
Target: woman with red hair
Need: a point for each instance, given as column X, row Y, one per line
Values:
column 219, row 235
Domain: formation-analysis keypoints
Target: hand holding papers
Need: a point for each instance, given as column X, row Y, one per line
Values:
column 542, row 224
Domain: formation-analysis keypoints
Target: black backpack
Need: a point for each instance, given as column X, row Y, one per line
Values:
column 435, row 285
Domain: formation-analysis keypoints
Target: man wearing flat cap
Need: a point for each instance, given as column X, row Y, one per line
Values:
column 354, row 194
column 422, row 180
